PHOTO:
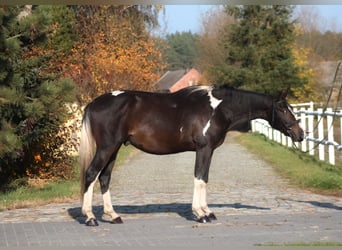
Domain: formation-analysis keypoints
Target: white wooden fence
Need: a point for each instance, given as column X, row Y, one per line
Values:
column 323, row 132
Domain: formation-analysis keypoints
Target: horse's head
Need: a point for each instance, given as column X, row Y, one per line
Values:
column 284, row 120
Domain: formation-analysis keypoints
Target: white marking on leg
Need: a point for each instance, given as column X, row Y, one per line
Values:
column 181, row 130
column 206, row 127
column 87, row 200
column 108, row 206
column 117, row 92
column 196, row 202
column 203, row 200
column 214, row 102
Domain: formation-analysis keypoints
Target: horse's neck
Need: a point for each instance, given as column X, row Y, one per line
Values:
column 255, row 106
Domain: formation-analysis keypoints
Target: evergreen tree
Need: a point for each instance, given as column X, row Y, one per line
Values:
column 32, row 96
column 181, row 51
column 260, row 49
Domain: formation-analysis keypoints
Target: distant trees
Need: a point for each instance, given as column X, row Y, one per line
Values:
column 264, row 48
column 216, row 24
column 319, row 42
column 181, row 50
column 317, row 34
column 258, row 46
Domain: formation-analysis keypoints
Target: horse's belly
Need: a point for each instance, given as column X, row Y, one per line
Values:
column 159, row 143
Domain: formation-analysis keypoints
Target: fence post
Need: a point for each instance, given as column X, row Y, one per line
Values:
column 289, row 141
column 330, row 137
column 303, row 123
column 341, row 127
column 253, row 125
column 311, row 132
column 312, row 105
column 320, row 118
column 283, row 140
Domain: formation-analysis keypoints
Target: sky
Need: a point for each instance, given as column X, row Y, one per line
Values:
column 188, row 17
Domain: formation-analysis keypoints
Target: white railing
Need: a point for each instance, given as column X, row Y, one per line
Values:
column 323, row 132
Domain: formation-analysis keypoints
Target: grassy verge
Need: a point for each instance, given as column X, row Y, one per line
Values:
column 300, row 169
column 60, row 191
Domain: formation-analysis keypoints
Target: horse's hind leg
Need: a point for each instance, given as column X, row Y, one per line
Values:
column 100, row 161
column 104, row 179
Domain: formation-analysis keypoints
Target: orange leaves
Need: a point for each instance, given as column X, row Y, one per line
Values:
column 119, row 54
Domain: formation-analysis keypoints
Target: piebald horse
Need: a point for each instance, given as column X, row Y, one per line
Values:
column 196, row 119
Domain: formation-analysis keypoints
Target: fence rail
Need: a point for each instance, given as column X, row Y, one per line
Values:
column 323, row 132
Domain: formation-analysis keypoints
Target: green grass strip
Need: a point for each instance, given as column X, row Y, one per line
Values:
column 299, row 168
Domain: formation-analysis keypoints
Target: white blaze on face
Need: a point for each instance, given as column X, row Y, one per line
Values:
column 117, row 92
column 214, row 102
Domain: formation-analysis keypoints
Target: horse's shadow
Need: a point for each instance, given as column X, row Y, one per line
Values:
column 182, row 209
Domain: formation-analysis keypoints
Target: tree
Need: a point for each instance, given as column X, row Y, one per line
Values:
column 210, row 43
column 181, row 51
column 32, row 95
column 323, row 42
column 115, row 50
column 259, row 49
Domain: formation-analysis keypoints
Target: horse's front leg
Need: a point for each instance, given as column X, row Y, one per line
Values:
column 199, row 204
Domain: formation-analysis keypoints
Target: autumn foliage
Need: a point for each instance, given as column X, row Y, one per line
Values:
column 118, row 54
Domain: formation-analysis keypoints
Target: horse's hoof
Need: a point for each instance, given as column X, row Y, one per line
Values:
column 212, row 216
column 204, row 219
column 117, row 220
column 92, row 223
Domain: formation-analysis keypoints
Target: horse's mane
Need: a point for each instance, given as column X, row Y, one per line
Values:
column 197, row 91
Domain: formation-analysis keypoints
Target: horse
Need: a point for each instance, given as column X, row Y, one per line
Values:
column 195, row 118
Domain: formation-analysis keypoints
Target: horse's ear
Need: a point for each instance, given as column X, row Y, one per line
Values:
column 282, row 95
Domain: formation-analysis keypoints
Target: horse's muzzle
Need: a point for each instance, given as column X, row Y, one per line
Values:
column 297, row 135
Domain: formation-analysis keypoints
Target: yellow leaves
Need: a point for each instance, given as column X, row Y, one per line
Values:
column 306, row 92
column 37, row 158
column 118, row 56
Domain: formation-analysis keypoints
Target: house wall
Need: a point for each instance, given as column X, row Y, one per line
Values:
column 189, row 79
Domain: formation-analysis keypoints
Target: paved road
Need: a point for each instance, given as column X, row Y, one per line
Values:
column 154, row 193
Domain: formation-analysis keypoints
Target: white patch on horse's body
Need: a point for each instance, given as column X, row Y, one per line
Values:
column 214, row 102
column 206, row 127
column 199, row 202
column 117, row 92
column 181, row 130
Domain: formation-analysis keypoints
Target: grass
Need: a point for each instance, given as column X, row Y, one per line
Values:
column 300, row 169
column 60, row 191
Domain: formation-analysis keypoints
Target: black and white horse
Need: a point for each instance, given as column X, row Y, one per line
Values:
column 192, row 119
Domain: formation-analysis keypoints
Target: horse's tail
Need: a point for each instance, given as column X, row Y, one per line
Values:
column 87, row 148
